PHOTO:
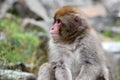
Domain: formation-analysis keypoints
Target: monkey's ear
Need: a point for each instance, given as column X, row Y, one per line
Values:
column 78, row 20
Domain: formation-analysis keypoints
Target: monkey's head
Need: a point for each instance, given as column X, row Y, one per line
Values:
column 69, row 23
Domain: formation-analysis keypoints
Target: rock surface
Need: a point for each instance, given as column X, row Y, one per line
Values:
column 16, row 75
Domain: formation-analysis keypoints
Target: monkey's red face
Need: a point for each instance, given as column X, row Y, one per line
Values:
column 54, row 30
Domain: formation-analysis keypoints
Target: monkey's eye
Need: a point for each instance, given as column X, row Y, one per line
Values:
column 58, row 21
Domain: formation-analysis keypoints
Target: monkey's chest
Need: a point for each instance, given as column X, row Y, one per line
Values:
column 71, row 58
column 72, row 61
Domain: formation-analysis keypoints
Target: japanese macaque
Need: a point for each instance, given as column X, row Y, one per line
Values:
column 75, row 49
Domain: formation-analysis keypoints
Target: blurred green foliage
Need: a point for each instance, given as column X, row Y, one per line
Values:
column 18, row 44
column 109, row 33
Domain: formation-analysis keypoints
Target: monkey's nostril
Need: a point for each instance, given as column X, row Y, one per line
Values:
column 52, row 28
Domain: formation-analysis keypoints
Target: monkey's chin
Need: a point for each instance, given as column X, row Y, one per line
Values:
column 55, row 36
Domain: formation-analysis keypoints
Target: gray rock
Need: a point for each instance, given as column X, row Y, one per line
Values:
column 114, row 48
column 16, row 75
column 101, row 22
column 36, row 7
column 111, row 46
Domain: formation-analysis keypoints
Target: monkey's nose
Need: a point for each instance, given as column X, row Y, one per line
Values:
column 52, row 28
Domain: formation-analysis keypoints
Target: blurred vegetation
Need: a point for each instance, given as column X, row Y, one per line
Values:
column 18, row 44
column 109, row 33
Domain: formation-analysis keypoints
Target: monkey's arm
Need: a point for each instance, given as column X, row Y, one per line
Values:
column 88, row 72
column 62, row 72
column 44, row 72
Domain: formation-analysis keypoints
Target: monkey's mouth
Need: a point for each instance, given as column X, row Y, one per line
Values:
column 54, row 34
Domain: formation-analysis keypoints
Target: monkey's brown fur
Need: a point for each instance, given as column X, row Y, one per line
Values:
column 71, row 27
